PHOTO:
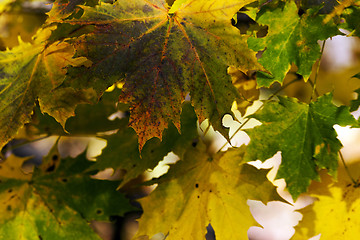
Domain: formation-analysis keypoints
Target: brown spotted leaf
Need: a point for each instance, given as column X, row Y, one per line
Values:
column 162, row 55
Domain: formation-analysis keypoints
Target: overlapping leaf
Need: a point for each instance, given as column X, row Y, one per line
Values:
column 122, row 149
column 351, row 16
column 30, row 72
column 57, row 201
column 335, row 212
column 290, row 39
column 163, row 55
column 305, row 136
column 246, row 84
column 201, row 190
column 88, row 119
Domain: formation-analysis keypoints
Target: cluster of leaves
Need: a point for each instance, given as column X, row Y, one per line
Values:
column 171, row 60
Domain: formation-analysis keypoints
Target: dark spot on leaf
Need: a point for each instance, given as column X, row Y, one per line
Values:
column 348, row 185
column 210, row 159
column 196, row 185
column 51, row 168
column 194, row 143
column 198, row 196
column 210, row 190
column 134, row 165
column 99, row 211
column 64, row 180
column 10, row 190
column 40, row 237
column 152, row 151
column 55, row 157
column 9, row 208
column 348, row 219
column 147, row 9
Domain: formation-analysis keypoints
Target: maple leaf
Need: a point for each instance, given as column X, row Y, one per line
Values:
column 290, row 39
column 122, row 150
column 88, row 119
column 335, row 212
column 57, row 201
column 31, row 72
column 163, row 54
column 305, row 136
column 200, row 190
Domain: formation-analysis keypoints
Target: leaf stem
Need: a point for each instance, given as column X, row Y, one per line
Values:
column 317, row 70
column 248, row 119
column 356, row 182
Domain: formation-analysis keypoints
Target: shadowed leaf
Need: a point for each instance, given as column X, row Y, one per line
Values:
column 57, row 201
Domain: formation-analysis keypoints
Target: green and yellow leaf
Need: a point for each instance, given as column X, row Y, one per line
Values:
column 202, row 189
column 335, row 212
column 290, row 39
column 163, row 55
column 31, row 72
column 57, row 201
column 305, row 136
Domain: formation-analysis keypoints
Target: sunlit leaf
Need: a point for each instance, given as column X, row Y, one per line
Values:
column 290, row 39
column 305, row 136
column 202, row 189
column 163, row 56
column 335, row 212
column 31, row 72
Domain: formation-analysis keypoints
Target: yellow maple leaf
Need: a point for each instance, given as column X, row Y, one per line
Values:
column 335, row 213
column 201, row 190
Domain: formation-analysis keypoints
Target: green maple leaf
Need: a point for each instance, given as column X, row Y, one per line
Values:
column 31, row 72
column 57, row 201
column 88, row 119
column 290, row 39
column 305, row 136
column 200, row 190
column 162, row 55
column 337, row 203
column 122, row 149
